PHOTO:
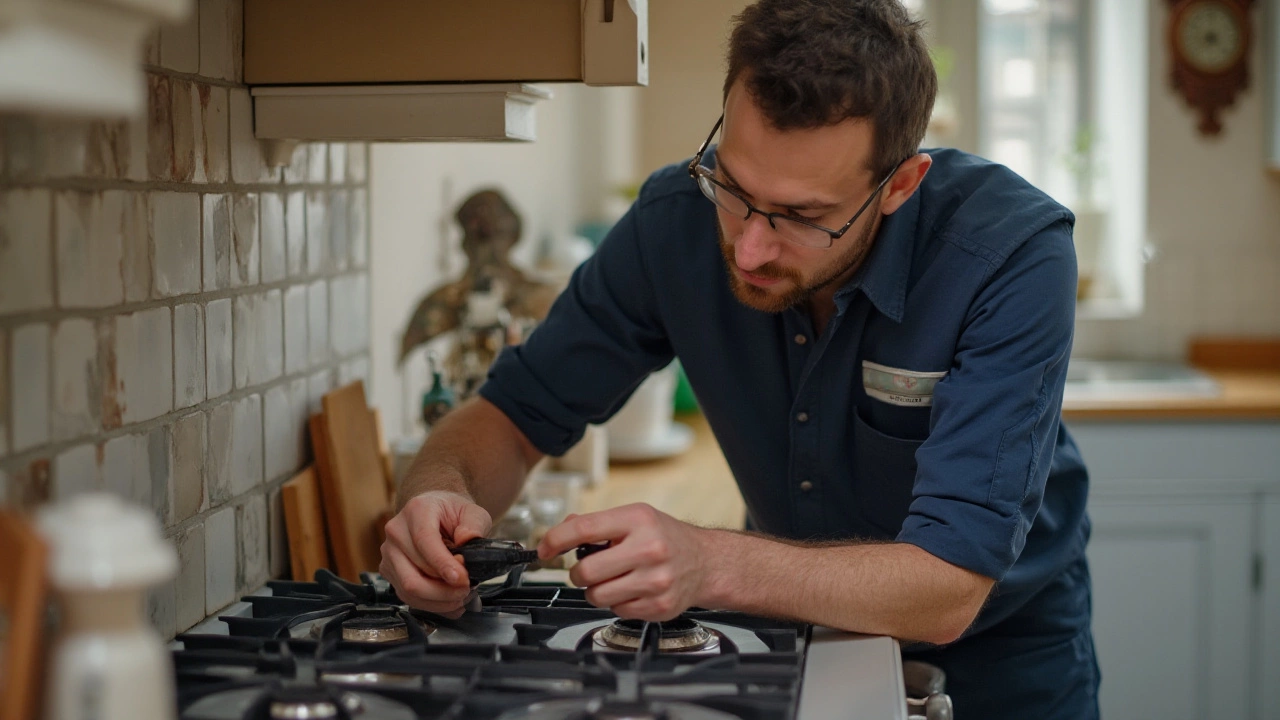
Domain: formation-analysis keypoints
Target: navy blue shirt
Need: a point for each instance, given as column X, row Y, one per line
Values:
column 927, row 412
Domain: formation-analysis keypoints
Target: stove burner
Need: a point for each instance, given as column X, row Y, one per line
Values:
column 311, row 703
column 597, row 709
column 375, row 624
column 678, row 635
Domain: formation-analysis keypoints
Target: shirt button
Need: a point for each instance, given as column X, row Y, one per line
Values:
column 803, row 417
column 801, row 339
column 806, row 486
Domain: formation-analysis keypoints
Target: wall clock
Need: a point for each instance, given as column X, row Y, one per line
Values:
column 1209, row 43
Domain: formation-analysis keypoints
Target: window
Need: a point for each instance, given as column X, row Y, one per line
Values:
column 1059, row 92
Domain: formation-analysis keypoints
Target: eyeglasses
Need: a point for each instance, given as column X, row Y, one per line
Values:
column 791, row 227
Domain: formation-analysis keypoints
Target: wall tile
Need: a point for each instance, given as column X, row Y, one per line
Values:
column 29, row 380
column 214, row 149
column 189, row 375
column 187, row 458
column 317, row 163
column 251, row 543
column 272, row 235
column 259, row 338
column 65, row 147
column 247, row 163
column 348, row 314
column 126, row 468
column 160, row 160
column 221, row 39
column 318, row 321
column 219, row 561
column 337, row 163
column 357, row 162
column 112, row 414
column 4, row 392
column 4, row 489
column 160, row 608
column 151, row 48
column 180, row 44
column 277, row 536
column 136, row 238
column 279, row 427
column 349, row 372
column 144, row 364
column 295, row 173
column 75, row 471
column 317, row 231
column 339, row 231
column 158, row 450
column 244, row 240
column 317, row 385
column 108, row 153
column 298, row 409
column 30, row 485
column 175, row 234
column 26, row 240
column 235, row 448
column 189, row 595
column 218, row 347
column 77, row 382
column 188, row 132
column 90, row 248
column 217, row 241
column 358, row 221
column 295, row 225
column 296, row 351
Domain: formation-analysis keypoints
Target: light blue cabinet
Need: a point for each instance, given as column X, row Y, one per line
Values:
column 1185, row 556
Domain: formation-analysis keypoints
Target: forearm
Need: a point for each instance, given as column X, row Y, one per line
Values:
column 477, row 451
column 891, row 589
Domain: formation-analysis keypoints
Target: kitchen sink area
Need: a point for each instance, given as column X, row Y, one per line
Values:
column 1089, row 379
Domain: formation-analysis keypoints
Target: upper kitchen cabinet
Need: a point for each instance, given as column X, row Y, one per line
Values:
column 430, row 69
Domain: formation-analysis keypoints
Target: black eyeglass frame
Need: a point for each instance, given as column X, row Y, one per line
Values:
column 696, row 171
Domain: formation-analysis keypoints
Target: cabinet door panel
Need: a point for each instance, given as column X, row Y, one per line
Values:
column 1172, row 607
column 1267, row 678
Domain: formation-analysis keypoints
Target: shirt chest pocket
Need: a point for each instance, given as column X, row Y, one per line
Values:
column 884, row 475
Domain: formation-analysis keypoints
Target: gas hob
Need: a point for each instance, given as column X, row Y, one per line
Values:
column 332, row 649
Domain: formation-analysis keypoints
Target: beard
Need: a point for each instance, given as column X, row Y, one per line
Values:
column 796, row 289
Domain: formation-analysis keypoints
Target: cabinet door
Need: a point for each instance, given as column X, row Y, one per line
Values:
column 1268, row 677
column 1172, row 611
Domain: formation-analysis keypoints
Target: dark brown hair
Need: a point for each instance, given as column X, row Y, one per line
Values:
column 809, row 63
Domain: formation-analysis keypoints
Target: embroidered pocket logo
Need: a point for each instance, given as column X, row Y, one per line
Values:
column 895, row 386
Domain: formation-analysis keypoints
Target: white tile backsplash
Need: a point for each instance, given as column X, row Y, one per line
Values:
column 244, row 240
column 215, row 145
column 337, row 162
column 175, row 236
column 29, row 380
column 318, row 321
column 219, row 560
column 90, row 248
column 217, row 241
column 272, row 234
column 136, row 239
column 339, row 232
column 189, row 375
column 26, row 269
column 317, row 231
column 296, row 350
column 295, row 223
column 218, row 347
column 126, row 468
column 259, row 338
column 77, row 470
column 251, row 541
column 180, row 44
column 144, row 364
column 317, row 163
column 187, row 442
column 235, row 448
column 189, row 592
column 77, row 382
column 247, row 163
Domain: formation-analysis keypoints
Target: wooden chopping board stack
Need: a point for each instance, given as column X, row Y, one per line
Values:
column 335, row 511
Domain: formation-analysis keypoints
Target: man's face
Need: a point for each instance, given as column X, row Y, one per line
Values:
column 819, row 174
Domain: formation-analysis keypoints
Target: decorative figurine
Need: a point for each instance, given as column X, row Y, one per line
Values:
column 490, row 306
column 439, row 400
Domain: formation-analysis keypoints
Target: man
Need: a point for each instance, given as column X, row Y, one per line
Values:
column 879, row 339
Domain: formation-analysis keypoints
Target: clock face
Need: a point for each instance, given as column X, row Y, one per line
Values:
column 1210, row 37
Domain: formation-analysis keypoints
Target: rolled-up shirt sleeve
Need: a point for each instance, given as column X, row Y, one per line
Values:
column 981, row 475
column 601, row 338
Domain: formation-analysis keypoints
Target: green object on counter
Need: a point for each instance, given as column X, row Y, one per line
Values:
column 685, row 400
column 437, row 401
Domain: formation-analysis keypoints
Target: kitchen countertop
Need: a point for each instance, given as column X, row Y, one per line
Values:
column 1246, row 395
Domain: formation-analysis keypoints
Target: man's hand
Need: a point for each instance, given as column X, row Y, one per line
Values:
column 654, row 570
column 416, row 558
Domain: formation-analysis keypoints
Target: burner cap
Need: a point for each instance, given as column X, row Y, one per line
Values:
column 678, row 635
column 375, row 624
column 310, row 703
column 627, row 711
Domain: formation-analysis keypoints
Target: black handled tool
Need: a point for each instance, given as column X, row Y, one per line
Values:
column 486, row 558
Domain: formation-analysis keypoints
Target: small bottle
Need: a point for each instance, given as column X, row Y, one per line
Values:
column 108, row 663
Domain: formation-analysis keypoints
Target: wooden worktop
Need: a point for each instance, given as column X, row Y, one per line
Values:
column 1246, row 395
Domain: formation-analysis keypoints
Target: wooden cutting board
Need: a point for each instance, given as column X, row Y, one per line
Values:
column 23, row 578
column 304, row 524
column 356, row 497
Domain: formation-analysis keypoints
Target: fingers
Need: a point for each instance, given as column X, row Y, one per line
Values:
column 594, row 527
column 423, row 519
column 473, row 522
column 640, row 594
column 419, row 590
